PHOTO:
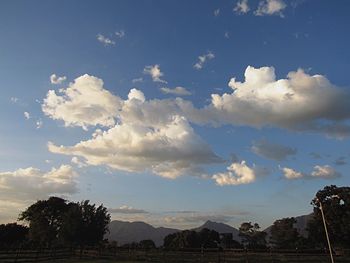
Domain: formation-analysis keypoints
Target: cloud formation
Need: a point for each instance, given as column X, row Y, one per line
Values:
column 319, row 171
column 54, row 79
column 83, row 103
column 154, row 72
column 271, row 150
column 241, row 7
column 203, row 59
column 105, row 40
column 126, row 210
column 179, row 91
column 32, row 183
column 26, row 115
column 217, row 12
column 168, row 149
column 270, row 7
column 237, row 173
column 120, row 33
column 300, row 102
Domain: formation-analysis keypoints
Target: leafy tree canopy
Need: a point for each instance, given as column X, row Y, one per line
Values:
column 335, row 202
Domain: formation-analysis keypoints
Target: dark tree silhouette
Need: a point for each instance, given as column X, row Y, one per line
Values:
column 251, row 236
column 336, row 206
column 191, row 239
column 147, row 244
column 84, row 224
column 56, row 222
column 12, row 235
column 284, row 234
column 45, row 220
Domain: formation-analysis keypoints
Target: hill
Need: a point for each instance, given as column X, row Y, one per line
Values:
column 128, row 232
column 221, row 228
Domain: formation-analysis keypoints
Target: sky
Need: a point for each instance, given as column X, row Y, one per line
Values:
column 174, row 112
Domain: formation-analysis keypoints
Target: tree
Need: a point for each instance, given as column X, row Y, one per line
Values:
column 284, row 234
column 147, row 244
column 191, row 239
column 54, row 221
column 336, row 207
column 251, row 236
column 84, row 224
column 45, row 220
column 12, row 234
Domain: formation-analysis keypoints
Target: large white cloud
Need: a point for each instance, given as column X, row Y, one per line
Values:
column 84, row 102
column 31, row 183
column 300, row 102
column 169, row 150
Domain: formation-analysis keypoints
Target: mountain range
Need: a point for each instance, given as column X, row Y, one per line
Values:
column 127, row 232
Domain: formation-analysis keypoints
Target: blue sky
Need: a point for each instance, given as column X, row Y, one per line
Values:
column 171, row 153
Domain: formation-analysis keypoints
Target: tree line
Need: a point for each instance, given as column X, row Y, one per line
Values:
column 57, row 222
column 283, row 233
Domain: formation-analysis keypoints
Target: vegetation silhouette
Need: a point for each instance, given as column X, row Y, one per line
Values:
column 56, row 222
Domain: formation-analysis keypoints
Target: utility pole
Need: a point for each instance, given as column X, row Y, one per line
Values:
column 325, row 229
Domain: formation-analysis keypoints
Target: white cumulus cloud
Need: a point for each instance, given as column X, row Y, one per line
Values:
column 84, row 102
column 241, row 7
column 236, row 174
column 169, row 150
column 31, row 183
column 54, row 79
column 26, row 115
column 154, row 72
column 319, row 171
column 270, row 7
column 301, row 102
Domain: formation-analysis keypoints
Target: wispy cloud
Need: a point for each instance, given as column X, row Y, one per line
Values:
column 137, row 80
column 120, row 33
column 179, row 91
column 127, row 210
column 271, row 150
column 217, row 12
column 105, row 40
column 203, row 59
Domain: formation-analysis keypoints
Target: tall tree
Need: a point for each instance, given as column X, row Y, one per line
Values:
column 85, row 224
column 251, row 236
column 54, row 221
column 335, row 202
column 284, row 234
column 45, row 220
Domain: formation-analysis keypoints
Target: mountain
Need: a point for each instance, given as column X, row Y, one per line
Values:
column 128, row 232
column 221, row 228
column 300, row 225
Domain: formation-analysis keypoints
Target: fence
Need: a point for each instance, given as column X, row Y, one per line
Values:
column 164, row 256
column 26, row 255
